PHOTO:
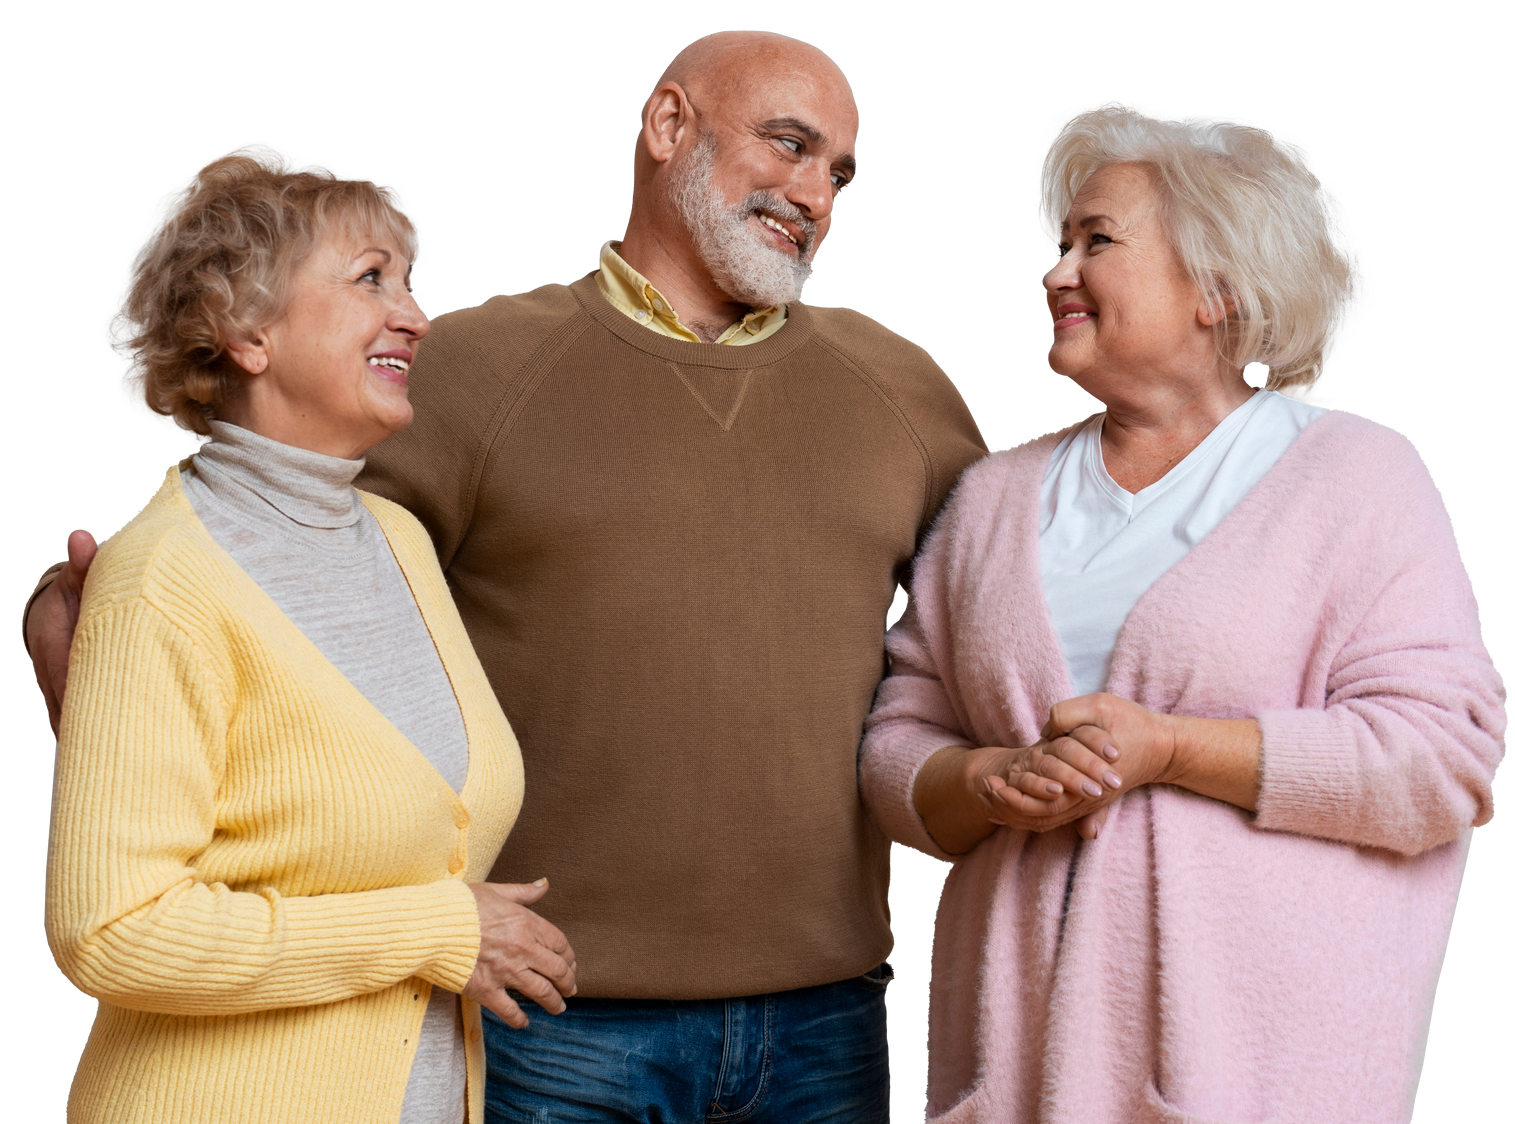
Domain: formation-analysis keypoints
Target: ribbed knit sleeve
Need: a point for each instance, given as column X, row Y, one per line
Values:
column 1402, row 756
column 141, row 756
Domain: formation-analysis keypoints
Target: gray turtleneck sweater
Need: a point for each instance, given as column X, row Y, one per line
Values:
column 292, row 519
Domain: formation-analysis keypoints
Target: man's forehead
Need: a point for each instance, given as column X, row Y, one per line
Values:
column 756, row 77
column 822, row 113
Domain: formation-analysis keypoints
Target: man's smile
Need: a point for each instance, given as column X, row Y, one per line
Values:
column 786, row 231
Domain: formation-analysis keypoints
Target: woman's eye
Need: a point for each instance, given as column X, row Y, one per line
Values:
column 371, row 275
column 1062, row 249
column 1098, row 239
column 790, row 143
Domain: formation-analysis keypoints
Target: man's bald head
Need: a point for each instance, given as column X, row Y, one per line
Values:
column 733, row 62
column 745, row 143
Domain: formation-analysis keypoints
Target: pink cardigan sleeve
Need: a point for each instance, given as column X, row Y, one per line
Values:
column 913, row 715
column 1402, row 755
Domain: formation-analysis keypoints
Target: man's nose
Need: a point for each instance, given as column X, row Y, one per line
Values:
column 811, row 190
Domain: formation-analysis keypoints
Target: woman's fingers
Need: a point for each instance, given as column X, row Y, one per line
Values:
column 1032, row 784
column 508, row 1009
column 1084, row 752
column 521, row 950
column 540, row 991
column 1015, row 798
column 1088, row 827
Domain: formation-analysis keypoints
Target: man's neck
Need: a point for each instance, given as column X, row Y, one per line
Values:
column 676, row 271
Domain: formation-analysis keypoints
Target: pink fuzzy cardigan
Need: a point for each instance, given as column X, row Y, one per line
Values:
column 1202, row 963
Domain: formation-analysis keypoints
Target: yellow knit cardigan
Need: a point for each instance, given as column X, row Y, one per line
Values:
column 256, row 874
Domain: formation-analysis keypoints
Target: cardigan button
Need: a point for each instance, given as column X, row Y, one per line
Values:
column 454, row 866
column 461, row 819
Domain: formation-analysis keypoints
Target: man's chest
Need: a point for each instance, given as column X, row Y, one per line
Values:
column 652, row 463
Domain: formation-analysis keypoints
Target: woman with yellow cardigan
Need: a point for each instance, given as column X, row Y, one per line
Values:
column 281, row 770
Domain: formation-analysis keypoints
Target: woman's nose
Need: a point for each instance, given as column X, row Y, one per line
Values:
column 1063, row 275
column 409, row 319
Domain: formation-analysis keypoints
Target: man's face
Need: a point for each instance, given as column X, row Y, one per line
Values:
column 757, row 185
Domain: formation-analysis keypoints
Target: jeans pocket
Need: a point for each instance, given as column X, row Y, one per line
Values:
column 877, row 979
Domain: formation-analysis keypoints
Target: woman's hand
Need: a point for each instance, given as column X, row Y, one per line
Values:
column 1215, row 757
column 518, row 949
column 963, row 795
column 1054, row 783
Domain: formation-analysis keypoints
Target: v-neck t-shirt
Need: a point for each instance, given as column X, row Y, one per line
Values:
column 1102, row 547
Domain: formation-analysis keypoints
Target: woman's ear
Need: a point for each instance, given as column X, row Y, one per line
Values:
column 250, row 353
column 1214, row 307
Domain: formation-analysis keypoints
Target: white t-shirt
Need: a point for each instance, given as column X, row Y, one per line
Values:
column 1102, row 547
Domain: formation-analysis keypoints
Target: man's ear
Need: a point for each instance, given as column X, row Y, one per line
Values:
column 667, row 115
column 249, row 352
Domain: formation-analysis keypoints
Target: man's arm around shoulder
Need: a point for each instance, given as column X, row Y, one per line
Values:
column 49, row 619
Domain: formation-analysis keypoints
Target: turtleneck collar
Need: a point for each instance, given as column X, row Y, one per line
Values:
column 309, row 488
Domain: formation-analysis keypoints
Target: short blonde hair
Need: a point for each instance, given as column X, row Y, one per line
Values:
column 220, row 267
column 1246, row 217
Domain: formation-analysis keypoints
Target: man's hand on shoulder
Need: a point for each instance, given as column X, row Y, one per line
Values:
column 51, row 620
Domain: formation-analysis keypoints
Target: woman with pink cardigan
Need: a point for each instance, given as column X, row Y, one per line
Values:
column 1192, row 693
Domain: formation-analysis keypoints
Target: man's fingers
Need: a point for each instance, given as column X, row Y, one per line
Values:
column 81, row 553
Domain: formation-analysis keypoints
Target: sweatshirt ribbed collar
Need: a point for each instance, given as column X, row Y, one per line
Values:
column 254, row 473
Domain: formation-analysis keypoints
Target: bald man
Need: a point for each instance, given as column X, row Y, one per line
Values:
column 673, row 503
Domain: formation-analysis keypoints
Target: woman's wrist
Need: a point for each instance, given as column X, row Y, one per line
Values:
column 1216, row 757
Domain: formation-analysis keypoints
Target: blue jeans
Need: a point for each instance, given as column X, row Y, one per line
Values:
column 818, row 1054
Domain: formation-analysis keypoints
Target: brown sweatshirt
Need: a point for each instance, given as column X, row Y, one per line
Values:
column 675, row 560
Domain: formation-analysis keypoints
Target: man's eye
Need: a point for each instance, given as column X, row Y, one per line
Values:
column 838, row 180
column 790, row 143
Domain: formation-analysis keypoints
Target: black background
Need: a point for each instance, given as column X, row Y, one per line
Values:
column 520, row 153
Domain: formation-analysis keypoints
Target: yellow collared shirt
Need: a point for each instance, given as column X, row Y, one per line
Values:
column 631, row 293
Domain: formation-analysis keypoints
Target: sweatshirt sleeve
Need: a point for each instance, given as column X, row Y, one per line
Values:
column 913, row 715
column 1402, row 756
column 131, row 921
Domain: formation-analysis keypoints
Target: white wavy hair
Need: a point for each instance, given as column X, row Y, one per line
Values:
column 1246, row 217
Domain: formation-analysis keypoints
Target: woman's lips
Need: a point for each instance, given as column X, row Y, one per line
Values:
column 1072, row 318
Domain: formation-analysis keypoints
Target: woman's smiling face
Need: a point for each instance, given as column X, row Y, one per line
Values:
column 332, row 373
column 1124, row 309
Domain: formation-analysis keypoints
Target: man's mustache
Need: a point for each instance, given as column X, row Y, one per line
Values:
column 783, row 209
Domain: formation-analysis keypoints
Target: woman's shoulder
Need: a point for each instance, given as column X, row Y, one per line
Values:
column 1356, row 454
column 163, row 548
column 407, row 537
column 1003, row 490
column 1011, row 473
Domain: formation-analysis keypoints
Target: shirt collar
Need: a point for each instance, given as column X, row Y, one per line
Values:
column 636, row 296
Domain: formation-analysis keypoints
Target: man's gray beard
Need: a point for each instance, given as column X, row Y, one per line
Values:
column 742, row 260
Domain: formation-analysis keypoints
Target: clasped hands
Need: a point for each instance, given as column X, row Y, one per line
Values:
column 1093, row 749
